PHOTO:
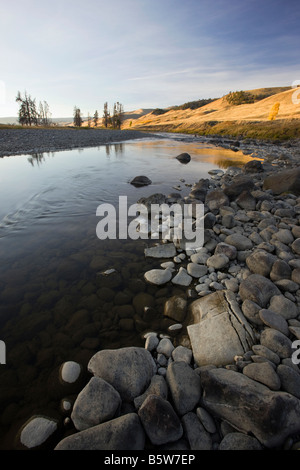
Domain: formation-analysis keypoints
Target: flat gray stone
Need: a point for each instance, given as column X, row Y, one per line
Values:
column 185, row 386
column 239, row 241
column 239, row 441
column 264, row 373
column 218, row 330
column 96, row 403
column 166, row 250
column 218, row 261
column 123, row 433
column 277, row 342
column 274, row 320
column 283, row 306
column 290, row 380
column 161, row 423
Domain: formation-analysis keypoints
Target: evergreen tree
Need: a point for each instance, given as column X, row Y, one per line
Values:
column 77, row 117
column 96, row 118
column 106, row 115
column 28, row 114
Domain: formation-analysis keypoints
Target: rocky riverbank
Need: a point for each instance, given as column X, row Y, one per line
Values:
column 34, row 141
column 227, row 375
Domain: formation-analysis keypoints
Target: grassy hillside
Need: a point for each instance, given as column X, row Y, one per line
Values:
column 221, row 117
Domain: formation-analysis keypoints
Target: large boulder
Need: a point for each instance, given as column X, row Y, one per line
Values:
column 239, row 184
column 251, row 407
column 97, row 402
column 218, row 330
column 129, row 370
column 284, row 181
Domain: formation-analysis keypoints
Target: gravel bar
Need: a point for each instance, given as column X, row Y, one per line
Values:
column 32, row 141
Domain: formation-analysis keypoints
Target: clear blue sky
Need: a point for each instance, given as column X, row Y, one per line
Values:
column 143, row 53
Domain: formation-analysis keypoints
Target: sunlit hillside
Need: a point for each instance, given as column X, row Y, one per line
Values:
column 220, row 111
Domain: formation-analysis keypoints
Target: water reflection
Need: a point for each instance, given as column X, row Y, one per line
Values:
column 55, row 302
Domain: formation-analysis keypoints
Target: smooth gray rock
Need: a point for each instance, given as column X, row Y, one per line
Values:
column 97, row 402
column 260, row 262
column 259, row 289
column 216, row 199
column 37, row 431
column 229, row 250
column 250, row 406
column 181, row 353
column 270, row 355
column 238, row 240
column 296, row 246
column 185, row 386
column 160, row 421
column 158, row 386
column 129, row 370
column 165, row 347
column 264, row 373
column 239, row 441
column 158, row 276
column 206, row 419
column 165, row 250
column 196, row 270
column 280, row 270
column 184, row 157
column 218, row 261
column 140, row 181
column 290, row 380
column 274, row 320
column 239, row 184
column 246, row 201
column 175, row 307
column 182, row 278
column 123, row 433
column 283, row 306
column 251, row 311
column 277, row 342
column 284, row 181
column 198, row 437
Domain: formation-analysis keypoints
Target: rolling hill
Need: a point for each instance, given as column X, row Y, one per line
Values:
column 220, row 114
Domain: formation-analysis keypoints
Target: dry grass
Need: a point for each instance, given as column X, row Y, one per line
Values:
column 218, row 117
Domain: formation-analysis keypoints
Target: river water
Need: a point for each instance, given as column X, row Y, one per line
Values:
column 55, row 305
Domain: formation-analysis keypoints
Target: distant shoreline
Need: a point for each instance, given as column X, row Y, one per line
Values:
column 29, row 141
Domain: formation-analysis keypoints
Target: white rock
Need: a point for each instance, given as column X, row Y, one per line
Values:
column 70, row 371
column 37, row 430
column 158, row 276
column 182, row 278
column 165, row 347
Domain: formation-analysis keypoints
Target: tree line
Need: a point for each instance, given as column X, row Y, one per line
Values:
column 113, row 120
column 32, row 115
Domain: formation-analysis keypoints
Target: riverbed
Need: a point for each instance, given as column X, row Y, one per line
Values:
column 56, row 302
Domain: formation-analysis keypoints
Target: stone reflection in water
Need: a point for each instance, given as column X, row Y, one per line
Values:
column 71, row 301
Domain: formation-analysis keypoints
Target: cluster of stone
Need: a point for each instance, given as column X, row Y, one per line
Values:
column 230, row 379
